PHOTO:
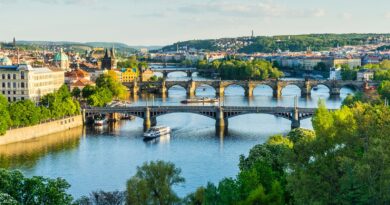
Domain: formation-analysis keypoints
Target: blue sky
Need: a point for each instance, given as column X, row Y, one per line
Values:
column 160, row 22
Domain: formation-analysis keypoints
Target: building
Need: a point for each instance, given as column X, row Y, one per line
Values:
column 109, row 61
column 78, row 78
column 61, row 60
column 335, row 74
column 80, row 84
column 365, row 75
column 20, row 82
column 352, row 62
column 129, row 75
column 146, row 75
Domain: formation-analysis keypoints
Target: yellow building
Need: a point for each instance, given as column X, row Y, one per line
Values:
column 129, row 75
column 146, row 75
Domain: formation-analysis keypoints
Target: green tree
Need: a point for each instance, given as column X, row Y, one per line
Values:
column 24, row 113
column 87, row 91
column 5, row 119
column 35, row 190
column 76, row 92
column 321, row 66
column 117, row 89
column 384, row 89
column 152, row 184
column 100, row 98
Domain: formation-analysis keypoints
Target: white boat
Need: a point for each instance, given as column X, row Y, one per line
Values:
column 99, row 122
column 200, row 100
column 157, row 131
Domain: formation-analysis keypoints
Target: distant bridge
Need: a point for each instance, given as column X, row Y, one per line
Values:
column 189, row 71
column 220, row 113
column 277, row 86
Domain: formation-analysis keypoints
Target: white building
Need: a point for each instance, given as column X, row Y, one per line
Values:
column 20, row 82
column 365, row 75
column 335, row 74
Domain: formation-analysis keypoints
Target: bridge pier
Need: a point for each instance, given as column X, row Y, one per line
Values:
column 189, row 74
column 191, row 88
column 295, row 121
column 148, row 120
column 163, row 89
column 220, row 91
column 306, row 89
column 335, row 91
column 165, row 74
column 135, row 89
column 221, row 123
column 277, row 91
column 249, row 91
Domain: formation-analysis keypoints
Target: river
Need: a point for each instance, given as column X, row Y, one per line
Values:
column 103, row 159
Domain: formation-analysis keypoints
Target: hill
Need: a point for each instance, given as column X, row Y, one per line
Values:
column 269, row 44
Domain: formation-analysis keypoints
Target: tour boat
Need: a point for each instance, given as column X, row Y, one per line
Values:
column 200, row 100
column 100, row 122
column 157, row 131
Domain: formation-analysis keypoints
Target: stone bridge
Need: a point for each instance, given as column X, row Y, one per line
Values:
column 221, row 114
column 166, row 71
column 276, row 85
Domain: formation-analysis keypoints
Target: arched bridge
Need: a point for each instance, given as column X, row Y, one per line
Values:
column 277, row 86
column 166, row 71
column 220, row 114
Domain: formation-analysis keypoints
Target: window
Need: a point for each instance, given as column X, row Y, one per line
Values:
column 9, row 99
column 22, row 98
column 3, row 76
column 14, row 85
column 14, row 99
column 9, row 92
column 3, row 85
column 3, row 92
column 22, row 75
column 9, row 85
column 22, row 84
column 9, row 76
column 14, row 75
column 22, row 92
column 14, row 92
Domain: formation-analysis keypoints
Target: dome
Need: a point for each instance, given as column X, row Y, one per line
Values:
column 5, row 61
column 60, row 56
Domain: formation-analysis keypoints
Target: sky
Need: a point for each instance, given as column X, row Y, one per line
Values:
column 162, row 22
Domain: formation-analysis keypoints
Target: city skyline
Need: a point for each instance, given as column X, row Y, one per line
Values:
column 154, row 22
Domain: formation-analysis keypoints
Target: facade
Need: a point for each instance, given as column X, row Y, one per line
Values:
column 146, row 75
column 109, row 61
column 23, row 82
column 129, row 75
column 61, row 60
column 365, row 75
column 78, row 78
column 352, row 62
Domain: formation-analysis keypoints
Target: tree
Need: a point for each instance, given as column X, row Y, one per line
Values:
column 348, row 73
column 321, row 66
column 100, row 98
column 76, row 92
column 117, row 89
column 5, row 119
column 35, row 190
column 384, row 89
column 102, row 198
column 152, row 184
column 24, row 113
column 87, row 91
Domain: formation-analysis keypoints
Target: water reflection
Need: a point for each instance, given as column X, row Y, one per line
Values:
column 26, row 154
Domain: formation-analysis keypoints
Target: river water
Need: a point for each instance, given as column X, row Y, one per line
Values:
column 103, row 159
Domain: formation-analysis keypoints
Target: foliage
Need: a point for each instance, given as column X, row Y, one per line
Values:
column 100, row 98
column 76, row 92
column 6, row 199
column 242, row 70
column 24, row 113
column 348, row 73
column 87, row 91
column 152, row 184
column 60, row 104
column 115, row 86
column 384, row 89
column 5, row 119
column 321, row 66
column 102, row 198
column 132, row 62
column 34, row 190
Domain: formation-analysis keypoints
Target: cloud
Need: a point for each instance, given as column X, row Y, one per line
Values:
column 260, row 9
column 387, row 15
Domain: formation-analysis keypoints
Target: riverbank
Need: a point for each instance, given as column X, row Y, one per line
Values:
column 40, row 130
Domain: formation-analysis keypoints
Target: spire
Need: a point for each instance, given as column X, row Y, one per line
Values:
column 106, row 53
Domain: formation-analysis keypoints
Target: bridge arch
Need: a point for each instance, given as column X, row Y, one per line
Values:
column 291, row 90
column 263, row 90
column 176, row 72
column 234, row 88
column 205, row 90
column 210, row 115
column 321, row 89
column 176, row 89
